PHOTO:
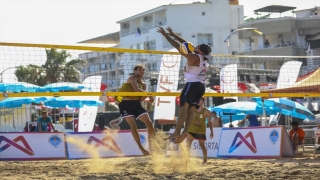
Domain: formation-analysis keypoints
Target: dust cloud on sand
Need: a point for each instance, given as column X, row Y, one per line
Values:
column 159, row 166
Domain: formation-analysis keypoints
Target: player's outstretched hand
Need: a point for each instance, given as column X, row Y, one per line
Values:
column 170, row 32
column 162, row 31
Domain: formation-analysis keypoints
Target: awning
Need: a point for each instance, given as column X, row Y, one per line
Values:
column 309, row 84
column 275, row 9
column 305, row 76
column 112, row 38
column 314, row 41
column 314, row 37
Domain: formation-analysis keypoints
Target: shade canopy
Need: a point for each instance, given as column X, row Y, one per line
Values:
column 275, row 9
column 18, row 87
column 112, row 38
column 17, row 102
column 72, row 102
column 63, row 86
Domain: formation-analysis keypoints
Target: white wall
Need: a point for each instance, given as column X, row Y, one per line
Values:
column 219, row 19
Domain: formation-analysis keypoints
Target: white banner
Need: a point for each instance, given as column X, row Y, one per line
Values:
column 229, row 79
column 167, row 82
column 260, row 142
column 87, row 114
column 32, row 146
column 288, row 74
column 102, row 145
column 212, row 145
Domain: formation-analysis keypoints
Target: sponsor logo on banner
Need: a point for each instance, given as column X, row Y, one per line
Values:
column 210, row 146
column 26, row 149
column 112, row 145
column 243, row 139
column 55, row 141
column 274, row 136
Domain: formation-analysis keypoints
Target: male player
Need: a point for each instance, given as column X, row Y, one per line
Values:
column 130, row 106
column 198, row 128
column 195, row 73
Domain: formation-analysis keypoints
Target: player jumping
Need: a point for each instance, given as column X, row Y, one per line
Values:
column 195, row 74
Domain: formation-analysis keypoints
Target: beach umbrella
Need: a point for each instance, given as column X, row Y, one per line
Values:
column 20, row 87
column 72, row 102
column 234, row 108
column 237, row 109
column 287, row 107
column 63, row 86
column 302, row 112
column 241, row 107
column 17, row 102
column 236, row 117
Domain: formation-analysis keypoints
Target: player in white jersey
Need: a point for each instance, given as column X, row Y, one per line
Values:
column 195, row 73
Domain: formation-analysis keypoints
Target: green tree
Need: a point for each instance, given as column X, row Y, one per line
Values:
column 31, row 74
column 55, row 69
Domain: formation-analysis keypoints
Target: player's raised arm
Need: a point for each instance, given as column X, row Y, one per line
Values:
column 171, row 33
column 176, row 44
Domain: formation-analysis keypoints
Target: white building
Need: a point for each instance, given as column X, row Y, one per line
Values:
column 200, row 22
column 287, row 36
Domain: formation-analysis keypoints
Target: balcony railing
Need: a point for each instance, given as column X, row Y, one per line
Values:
column 273, row 46
column 144, row 29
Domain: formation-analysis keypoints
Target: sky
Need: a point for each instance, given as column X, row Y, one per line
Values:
column 72, row 21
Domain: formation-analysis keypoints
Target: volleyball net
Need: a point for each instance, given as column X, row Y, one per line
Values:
column 62, row 70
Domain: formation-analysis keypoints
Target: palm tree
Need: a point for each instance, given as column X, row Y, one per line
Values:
column 31, row 74
column 55, row 69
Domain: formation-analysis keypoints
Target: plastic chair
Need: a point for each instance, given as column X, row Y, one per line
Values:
column 316, row 144
column 19, row 128
column 308, row 141
column 68, row 130
column 7, row 128
column 59, row 127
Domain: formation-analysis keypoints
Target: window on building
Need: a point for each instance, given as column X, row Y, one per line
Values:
column 112, row 63
column 150, row 45
column 205, row 38
column 153, row 45
column 141, row 46
column 92, row 60
column 94, row 68
column 154, row 66
column 103, row 66
column 148, row 66
column 258, row 66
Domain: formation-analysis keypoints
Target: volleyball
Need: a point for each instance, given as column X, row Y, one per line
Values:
column 186, row 48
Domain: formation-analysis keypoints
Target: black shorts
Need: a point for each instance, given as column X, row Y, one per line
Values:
column 192, row 93
column 198, row 136
column 131, row 108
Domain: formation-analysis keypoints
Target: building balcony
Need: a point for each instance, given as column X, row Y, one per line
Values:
column 282, row 49
column 143, row 29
